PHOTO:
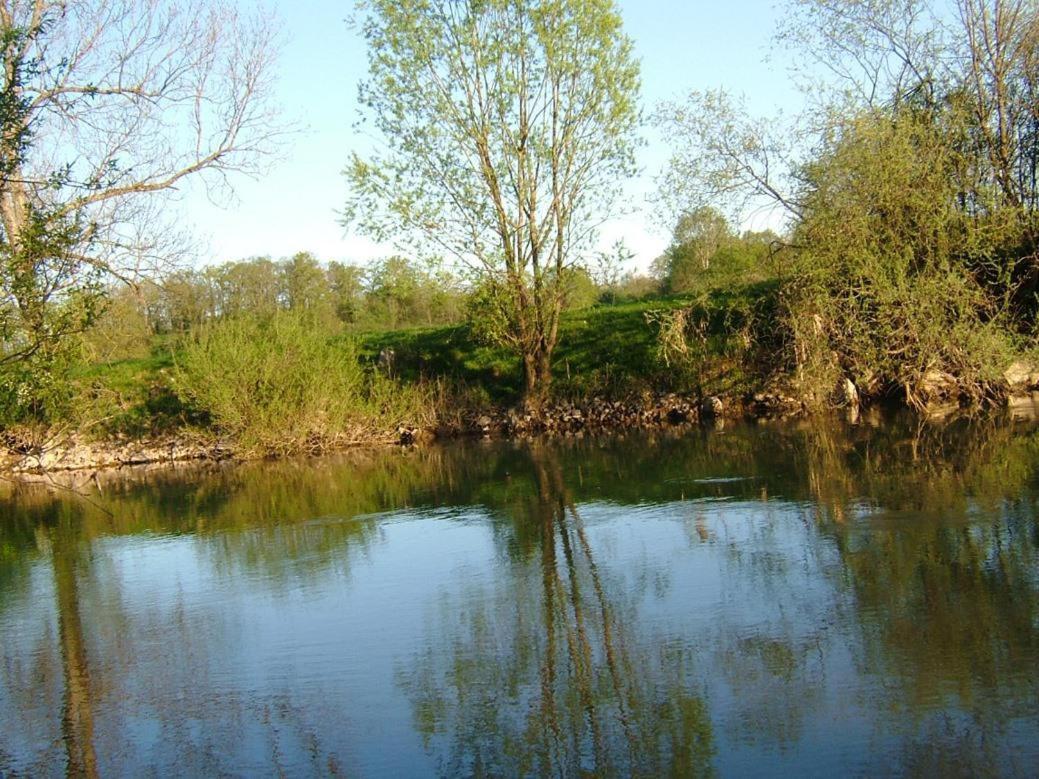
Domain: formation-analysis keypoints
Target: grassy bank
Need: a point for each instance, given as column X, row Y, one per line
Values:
column 262, row 396
column 264, row 387
column 611, row 351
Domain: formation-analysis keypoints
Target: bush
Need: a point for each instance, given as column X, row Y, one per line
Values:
column 275, row 384
column 36, row 390
column 722, row 342
column 883, row 290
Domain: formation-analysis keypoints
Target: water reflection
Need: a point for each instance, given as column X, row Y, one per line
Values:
column 821, row 599
column 77, row 720
column 558, row 684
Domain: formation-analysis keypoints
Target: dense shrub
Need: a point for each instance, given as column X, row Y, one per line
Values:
column 883, row 289
column 279, row 384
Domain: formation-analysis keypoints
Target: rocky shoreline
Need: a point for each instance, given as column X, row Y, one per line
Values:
column 603, row 415
column 74, row 453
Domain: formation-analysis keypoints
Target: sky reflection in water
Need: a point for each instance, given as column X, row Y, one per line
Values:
column 753, row 601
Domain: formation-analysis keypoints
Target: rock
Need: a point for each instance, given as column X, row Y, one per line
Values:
column 848, row 392
column 935, row 384
column 1022, row 375
column 712, row 407
column 1024, row 406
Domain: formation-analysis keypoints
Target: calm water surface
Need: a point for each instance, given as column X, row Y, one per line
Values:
column 754, row 601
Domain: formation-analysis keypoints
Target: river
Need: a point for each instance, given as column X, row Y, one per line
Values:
column 812, row 599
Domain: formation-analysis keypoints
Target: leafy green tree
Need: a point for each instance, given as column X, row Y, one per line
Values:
column 124, row 330
column 581, row 289
column 705, row 252
column 892, row 298
column 303, row 283
column 186, row 300
column 395, row 292
column 509, row 127
column 346, row 287
column 305, row 287
column 251, row 287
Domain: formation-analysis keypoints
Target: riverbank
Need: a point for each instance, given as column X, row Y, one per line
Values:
column 673, row 412
column 650, row 363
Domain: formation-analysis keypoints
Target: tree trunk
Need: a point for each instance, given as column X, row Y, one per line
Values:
column 537, row 375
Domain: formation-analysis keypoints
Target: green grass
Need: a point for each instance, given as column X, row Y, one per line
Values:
column 602, row 349
column 605, row 350
column 133, row 396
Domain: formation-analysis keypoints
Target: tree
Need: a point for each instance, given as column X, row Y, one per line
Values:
column 724, row 158
column 702, row 233
column 508, row 127
column 249, row 287
column 608, row 268
column 105, row 107
column 706, row 252
column 911, row 265
column 306, row 287
column 346, row 286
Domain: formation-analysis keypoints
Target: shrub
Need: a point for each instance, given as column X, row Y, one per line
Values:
column 722, row 343
column 883, row 289
column 275, row 384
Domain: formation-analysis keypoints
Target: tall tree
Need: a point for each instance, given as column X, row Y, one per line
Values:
column 105, row 106
column 508, row 127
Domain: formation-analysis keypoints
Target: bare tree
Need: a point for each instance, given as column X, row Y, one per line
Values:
column 870, row 52
column 1000, row 46
column 724, row 158
column 109, row 106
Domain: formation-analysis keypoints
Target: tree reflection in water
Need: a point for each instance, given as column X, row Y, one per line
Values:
column 77, row 720
column 565, row 687
column 873, row 588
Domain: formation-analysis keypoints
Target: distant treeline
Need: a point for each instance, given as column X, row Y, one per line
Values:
column 386, row 294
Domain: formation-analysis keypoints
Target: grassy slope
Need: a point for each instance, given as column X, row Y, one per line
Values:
column 601, row 349
column 608, row 350
column 132, row 396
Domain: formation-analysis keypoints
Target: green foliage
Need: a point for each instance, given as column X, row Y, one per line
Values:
column 487, row 308
column 605, row 350
column 128, row 397
column 123, row 329
column 633, row 287
column 911, row 196
column 721, row 342
column 401, row 293
column 274, row 384
column 92, row 130
column 393, row 292
column 706, row 253
column 508, row 128
column 48, row 293
column 35, row 389
column 48, row 298
column 581, row 289
column 882, row 288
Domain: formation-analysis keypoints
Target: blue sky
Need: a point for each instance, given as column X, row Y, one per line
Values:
column 696, row 44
